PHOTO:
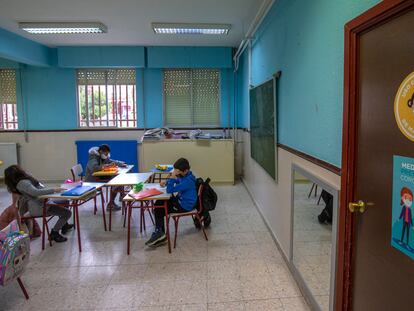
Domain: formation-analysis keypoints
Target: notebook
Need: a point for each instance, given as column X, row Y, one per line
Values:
column 146, row 193
column 77, row 191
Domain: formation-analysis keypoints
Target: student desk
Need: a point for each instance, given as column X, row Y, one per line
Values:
column 158, row 174
column 105, row 176
column 125, row 180
column 121, row 170
column 75, row 202
column 148, row 203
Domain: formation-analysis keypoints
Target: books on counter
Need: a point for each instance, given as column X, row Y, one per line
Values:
column 166, row 133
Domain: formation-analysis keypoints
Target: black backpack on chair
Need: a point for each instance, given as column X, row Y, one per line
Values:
column 208, row 201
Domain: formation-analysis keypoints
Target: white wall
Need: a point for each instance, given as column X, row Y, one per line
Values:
column 50, row 155
column 274, row 199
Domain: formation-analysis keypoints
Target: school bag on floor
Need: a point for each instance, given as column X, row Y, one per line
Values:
column 14, row 253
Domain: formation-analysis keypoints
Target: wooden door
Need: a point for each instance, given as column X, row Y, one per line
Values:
column 372, row 275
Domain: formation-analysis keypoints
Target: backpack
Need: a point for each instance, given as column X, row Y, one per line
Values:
column 14, row 253
column 208, row 200
column 209, row 196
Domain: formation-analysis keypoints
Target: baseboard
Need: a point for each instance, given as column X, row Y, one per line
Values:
column 256, row 204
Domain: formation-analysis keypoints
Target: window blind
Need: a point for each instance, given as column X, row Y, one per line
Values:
column 206, row 97
column 107, row 97
column 106, row 76
column 191, row 97
column 8, row 86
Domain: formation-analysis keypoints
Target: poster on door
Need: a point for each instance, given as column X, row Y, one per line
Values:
column 402, row 205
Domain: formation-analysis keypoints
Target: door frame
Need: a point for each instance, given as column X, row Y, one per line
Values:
column 374, row 17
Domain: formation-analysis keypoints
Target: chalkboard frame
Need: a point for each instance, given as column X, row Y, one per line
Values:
column 268, row 147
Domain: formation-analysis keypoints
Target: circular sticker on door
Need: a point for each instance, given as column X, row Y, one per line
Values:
column 404, row 107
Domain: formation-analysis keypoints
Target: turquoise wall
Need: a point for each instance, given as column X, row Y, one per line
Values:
column 49, row 95
column 153, row 97
column 243, row 108
column 227, row 98
column 22, row 50
column 50, row 98
column 8, row 64
column 189, row 57
column 101, row 56
column 304, row 39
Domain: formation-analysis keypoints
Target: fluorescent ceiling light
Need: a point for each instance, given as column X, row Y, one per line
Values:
column 62, row 28
column 191, row 29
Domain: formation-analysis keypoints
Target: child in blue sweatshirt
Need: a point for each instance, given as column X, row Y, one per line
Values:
column 182, row 182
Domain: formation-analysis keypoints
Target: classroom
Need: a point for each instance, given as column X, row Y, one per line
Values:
column 206, row 155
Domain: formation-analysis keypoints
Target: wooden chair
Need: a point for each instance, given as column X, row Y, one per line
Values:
column 195, row 214
column 45, row 225
column 24, row 215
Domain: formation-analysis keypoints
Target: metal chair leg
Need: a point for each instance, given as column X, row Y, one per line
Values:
column 125, row 217
column 141, row 217
column 143, row 220
column 26, row 295
column 202, row 226
column 95, row 209
column 176, row 219
column 310, row 192
column 150, row 214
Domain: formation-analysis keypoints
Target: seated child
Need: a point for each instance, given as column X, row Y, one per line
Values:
column 182, row 182
column 99, row 158
column 29, row 189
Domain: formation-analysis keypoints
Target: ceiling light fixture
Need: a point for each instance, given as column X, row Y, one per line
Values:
column 62, row 28
column 191, row 29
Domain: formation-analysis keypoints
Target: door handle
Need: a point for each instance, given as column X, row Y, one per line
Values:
column 359, row 206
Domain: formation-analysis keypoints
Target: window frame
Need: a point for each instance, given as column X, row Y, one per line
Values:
column 192, row 126
column 105, row 127
column 3, row 128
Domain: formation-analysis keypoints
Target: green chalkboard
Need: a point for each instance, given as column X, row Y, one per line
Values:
column 262, row 126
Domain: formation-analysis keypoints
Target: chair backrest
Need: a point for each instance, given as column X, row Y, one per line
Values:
column 76, row 171
column 200, row 199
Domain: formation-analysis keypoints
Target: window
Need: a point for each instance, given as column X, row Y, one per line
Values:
column 8, row 101
column 192, row 97
column 107, row 98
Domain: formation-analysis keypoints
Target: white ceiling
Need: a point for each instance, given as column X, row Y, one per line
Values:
column 129, row 21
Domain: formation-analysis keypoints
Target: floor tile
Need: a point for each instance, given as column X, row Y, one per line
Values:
column 239, row 268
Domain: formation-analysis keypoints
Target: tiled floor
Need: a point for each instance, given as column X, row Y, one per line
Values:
column 239, row 268
column 312, row 244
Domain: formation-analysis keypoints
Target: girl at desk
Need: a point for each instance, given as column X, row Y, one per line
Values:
column 29, row 190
